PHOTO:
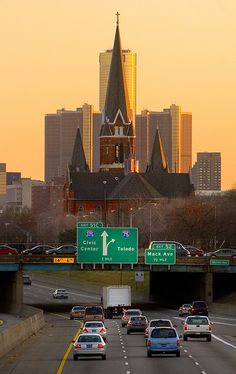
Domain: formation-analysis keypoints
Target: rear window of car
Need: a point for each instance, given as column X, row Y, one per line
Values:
column 89, row 338
column 93, row 310
column 163, row 333
column 199, row 304
column 138, row 319
column 60, row 291
column 132, row 313
column 78, row 309
column 160, row 323
column 93, row 324
column 197, row 321
column 186, row 305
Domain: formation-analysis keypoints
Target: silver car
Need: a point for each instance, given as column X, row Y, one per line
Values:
column 96, row 327
column 89, row 345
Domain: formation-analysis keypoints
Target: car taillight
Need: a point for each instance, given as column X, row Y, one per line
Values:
column 210, row 326
column 185, row 326
column 77, row 345
column 146, row 331
column 146, row 323
column 178, row 342
column 85, row 330
column 100, row 345
column 125, row 317
column 102, row 330
column 149, row 343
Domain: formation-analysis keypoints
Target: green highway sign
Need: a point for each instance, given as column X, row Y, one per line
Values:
column 90, row 224
column 162, row 256
column 107, row 245
column 219, row 262
column 163, row 245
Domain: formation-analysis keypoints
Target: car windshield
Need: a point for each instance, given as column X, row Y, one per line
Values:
column 93, row 324
column 160, row 323
column 186, row 305
column 197, row 321
column 163, row 333
column 61, row 291
column 89, row 338
column 78, row 309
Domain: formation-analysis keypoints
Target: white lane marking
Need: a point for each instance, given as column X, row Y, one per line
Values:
column 196, row 363
column 125, row 356
column 203, row 372
column 185, row 351
column 71, row 293
column 124, row 351
column 223, row 341
column 127, row 372
column 190, row 356
column 126, row 363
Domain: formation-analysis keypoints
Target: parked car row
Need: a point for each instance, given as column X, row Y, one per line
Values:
column 42, row 249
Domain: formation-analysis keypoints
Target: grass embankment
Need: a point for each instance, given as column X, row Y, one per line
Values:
column 103, row 278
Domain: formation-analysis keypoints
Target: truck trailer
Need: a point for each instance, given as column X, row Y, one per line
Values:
column 115, row 300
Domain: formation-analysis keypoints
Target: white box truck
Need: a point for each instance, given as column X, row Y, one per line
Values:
column 115, row 299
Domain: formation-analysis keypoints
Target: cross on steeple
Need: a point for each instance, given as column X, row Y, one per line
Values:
column 117, row 20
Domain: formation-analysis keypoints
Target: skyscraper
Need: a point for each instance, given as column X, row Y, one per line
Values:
column 206, row 172
column 129, row 62
column 175, row 129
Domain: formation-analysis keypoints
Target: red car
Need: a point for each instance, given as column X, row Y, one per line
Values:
column 7, row 250
column 194, row 251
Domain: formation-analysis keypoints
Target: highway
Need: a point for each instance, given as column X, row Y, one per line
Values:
column 49, row 351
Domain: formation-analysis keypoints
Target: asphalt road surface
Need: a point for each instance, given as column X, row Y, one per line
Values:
column 49, row 351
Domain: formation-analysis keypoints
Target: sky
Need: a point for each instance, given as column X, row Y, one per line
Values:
column 186, row 55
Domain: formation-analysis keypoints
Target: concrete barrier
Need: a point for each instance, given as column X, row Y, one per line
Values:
column 16, row 334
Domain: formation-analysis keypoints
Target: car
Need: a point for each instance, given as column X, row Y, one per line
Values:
column 94, row 313
column 127, row 314
column 37, row 250
column 136, row 324
column 77, row 312
column 194, row 251
column 89, row 345
column 7, row 250
column 184, row 309
column 197, row 327
column 199, row 308
column 97, row 327
column 180, row 249
column 67, row 249
column 163, row 340
column 222, row 252
column 157, row 323
column 60, row 293
column 27, row 280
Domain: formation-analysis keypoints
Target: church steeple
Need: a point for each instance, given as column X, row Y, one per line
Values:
column 158, row 162
column 117, row 100
column 117, row 138
column 78, row 162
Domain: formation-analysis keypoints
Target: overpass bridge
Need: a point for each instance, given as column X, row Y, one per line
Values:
column 190, row 278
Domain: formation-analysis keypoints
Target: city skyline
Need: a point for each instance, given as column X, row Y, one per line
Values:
column 185, row 55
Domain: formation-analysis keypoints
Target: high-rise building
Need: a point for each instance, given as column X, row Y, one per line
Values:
column 60, row 134
column 129, row 63
column 175, row 129
column 3, row 183
column 206, row 172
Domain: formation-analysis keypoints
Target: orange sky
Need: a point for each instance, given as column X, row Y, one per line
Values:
column 186, row 52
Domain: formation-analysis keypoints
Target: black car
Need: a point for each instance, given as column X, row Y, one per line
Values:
column 37, row 250
column 27, row 280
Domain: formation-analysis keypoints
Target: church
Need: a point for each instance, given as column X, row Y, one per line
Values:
column 118, row 188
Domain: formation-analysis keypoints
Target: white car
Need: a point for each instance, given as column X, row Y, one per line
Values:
column 95, row 327
column 159, row 322
column 197, row 327
column 60, row 293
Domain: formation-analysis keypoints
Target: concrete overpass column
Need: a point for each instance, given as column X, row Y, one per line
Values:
column 208, row 291
column 11, row 291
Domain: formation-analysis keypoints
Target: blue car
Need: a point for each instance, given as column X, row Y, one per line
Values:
column 163, row 340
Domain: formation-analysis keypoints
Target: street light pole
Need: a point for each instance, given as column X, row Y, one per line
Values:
column 105, row 202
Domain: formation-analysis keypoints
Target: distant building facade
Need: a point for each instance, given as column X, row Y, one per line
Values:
column 13, row 176
column 206, row 172
column 176, row 135
column 3, row 183
column 19, row 194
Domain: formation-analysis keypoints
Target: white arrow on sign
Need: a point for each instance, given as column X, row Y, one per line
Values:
column 104, row 243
